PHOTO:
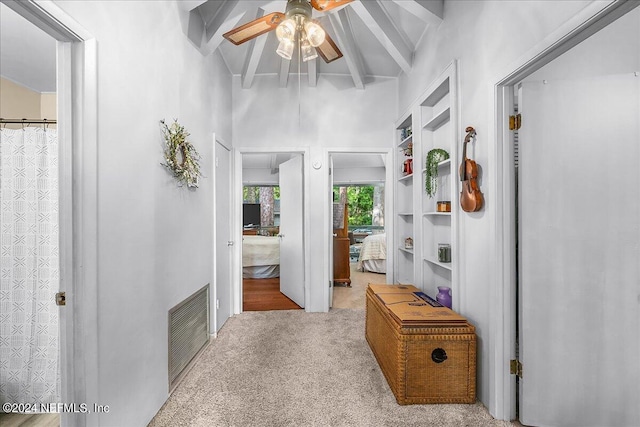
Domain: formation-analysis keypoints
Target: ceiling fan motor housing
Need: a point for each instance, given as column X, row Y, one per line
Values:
column 298, row 7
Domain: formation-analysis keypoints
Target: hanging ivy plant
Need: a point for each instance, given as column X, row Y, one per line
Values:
column 180, row 156
column 434, row 157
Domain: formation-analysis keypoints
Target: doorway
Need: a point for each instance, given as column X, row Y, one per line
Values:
column 358, row 247
column 568, row 258
column 76, row 116
column 223, row 240
column 30, row 340
column 272, row 231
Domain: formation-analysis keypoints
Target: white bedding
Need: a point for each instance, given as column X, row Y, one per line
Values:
column 260, row 257
column 373, row 254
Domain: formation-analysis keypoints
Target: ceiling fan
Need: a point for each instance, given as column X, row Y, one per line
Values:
column 295, row 25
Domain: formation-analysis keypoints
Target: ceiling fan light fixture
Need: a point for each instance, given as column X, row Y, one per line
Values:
column 286, row 30
column 308, row 52
column 285, row 49
column 315, row 33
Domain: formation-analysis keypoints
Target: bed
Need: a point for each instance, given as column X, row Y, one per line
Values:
column 373, row 254
column 260, row 257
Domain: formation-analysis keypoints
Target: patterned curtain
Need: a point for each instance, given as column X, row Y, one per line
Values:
column 29, row 267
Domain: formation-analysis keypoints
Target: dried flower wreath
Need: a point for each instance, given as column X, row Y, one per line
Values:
column 180, row 156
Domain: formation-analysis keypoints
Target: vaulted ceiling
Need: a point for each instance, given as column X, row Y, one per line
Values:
column 377, row 37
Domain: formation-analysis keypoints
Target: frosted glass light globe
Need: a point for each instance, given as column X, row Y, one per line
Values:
column 308, row 52
column 285, row 49
column 315, row 33
column 286, row 30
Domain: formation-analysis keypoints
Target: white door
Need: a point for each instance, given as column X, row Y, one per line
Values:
column 579, row 252
column 224, row 238
column 331, row 238
column 291, row 230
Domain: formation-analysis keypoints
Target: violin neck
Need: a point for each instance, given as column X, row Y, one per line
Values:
column 463, row 166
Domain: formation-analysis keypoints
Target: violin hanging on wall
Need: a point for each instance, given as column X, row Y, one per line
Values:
column 471, row 199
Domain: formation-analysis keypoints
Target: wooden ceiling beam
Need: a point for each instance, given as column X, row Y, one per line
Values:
column 347, row 44
column 256, row 47
column 430, row 12
column 189, row 5
column 312, row 71
column 375, row 16
column 285, row 65
column 226, row 16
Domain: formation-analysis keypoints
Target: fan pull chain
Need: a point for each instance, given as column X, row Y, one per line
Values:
column 299, row 84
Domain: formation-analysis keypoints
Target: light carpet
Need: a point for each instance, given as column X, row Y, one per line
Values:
column 354, row 296
column 291, row 368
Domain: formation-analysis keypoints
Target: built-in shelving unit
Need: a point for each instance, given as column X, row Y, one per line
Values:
column 438, row 130
column 404, row 199
column 434, row 117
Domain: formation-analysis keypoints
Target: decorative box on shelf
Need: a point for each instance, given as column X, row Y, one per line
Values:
column 443, row 206
column 426, row 351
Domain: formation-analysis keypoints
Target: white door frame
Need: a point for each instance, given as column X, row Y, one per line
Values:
column 77, row 133
column 236, row 199
column 597, row 15
column 389, row 210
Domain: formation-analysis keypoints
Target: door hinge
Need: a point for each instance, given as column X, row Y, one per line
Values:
column 515, row 122
column 61, row 298
column 516, row 368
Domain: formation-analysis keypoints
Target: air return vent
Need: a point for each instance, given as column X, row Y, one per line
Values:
column 188, row 333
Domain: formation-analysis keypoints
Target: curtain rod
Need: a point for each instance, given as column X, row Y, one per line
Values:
column 28, row 121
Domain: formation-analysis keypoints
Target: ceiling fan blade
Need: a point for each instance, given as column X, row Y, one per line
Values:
column 328, row 50
column 254, row 28
column 325, row 5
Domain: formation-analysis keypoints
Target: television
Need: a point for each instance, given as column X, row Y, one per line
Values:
column 251, row 214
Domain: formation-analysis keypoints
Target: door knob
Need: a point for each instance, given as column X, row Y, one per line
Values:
column 281, row 235
column 61, row 298
column 230, row 243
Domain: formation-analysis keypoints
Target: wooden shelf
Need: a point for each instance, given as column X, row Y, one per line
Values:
column 446, row 266
column 437, row 94
column 405, row 214
column 405, row 142
column 406, row 177
column 437, row 214
column 444, row 163
column 405, row 250
column 438, row 120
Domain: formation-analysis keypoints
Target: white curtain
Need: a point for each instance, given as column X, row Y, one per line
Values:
column 29, row 276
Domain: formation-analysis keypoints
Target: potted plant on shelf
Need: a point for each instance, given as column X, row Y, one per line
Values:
column 434, row 157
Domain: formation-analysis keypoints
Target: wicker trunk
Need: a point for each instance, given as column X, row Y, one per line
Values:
column 423, row 362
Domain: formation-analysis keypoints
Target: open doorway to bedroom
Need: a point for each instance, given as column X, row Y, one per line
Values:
column 359, row 238
column 263, row 239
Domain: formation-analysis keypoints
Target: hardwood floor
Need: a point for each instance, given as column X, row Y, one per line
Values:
column 263, row 295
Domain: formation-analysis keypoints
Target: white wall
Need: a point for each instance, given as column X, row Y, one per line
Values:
column 259, row 177
column 149, row 257
column 363, row 175
column 485, row 37
column 344, row 176
column 332, row 115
